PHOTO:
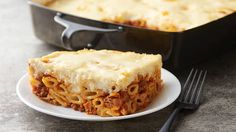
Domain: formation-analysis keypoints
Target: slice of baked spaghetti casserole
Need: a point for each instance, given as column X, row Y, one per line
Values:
column 99, row 82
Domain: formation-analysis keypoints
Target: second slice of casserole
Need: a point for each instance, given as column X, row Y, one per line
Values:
column 99, row 82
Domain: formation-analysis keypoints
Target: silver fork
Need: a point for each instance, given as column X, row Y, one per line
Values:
column 189, row 97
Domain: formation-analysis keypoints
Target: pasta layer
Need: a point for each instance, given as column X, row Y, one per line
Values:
column 138, row 95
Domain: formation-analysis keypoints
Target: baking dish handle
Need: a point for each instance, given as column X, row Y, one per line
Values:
column 72, row 27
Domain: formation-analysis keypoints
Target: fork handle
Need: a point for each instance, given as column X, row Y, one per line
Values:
column 168, row 123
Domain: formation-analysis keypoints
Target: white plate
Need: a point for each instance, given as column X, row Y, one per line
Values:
column 169, row 94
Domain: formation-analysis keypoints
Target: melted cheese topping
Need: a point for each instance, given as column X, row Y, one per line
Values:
column 97, row 69
column 166, row 15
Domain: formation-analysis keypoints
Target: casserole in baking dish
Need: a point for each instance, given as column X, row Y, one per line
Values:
column 180, row 46
column 164, row 15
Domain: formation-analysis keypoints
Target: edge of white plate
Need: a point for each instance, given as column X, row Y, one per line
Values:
column 98, row 118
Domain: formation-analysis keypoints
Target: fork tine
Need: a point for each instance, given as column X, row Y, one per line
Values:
column 195, row 88
column 190, row 87
column 189, row 76
column 186, row 83
column 200, row 89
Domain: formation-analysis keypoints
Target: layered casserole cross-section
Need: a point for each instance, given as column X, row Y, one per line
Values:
column 99, row 82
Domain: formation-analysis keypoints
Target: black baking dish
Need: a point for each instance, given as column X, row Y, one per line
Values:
column 179, row 49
